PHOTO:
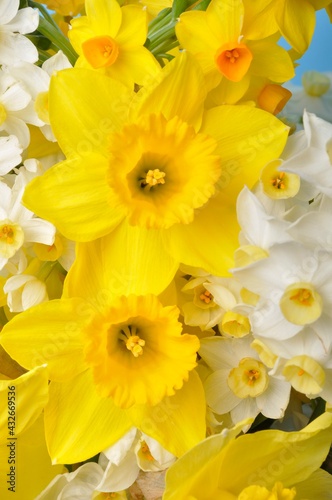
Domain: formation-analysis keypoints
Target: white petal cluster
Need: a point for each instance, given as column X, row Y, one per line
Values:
column 14, row 24
column 285, row 258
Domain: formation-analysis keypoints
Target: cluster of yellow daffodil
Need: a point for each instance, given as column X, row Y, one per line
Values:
column 137, row 155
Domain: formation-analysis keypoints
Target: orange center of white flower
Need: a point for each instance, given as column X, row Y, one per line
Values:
column 233, row 61
column 11, row 238
column 100, row 51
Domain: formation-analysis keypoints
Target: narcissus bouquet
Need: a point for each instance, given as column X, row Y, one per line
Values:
column 165, row 251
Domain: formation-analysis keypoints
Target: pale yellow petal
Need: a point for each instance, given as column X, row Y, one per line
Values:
column 178, row 90
column 83, row 116
column 23, row 399
column 48, row 333
column 33, row 469
column 129, row 260
column 79, row 205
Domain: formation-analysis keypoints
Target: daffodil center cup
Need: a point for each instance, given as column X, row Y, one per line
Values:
column 100, row 51
column 136, row 351
column 233, row 61
column 161, row 170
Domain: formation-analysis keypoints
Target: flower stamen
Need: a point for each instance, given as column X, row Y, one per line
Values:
column 132, row 341
column 153, row 178
column 206, row 297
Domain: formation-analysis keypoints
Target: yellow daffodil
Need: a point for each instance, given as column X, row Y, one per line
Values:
column 152, row 172
column 228, row 58
column 265, row 465
column 25, row 466
column 123, row 360
column 295, row 20
column 110, row 39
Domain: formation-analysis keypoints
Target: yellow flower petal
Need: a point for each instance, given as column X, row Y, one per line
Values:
column 271, row 61
column 81, row 117
column 79, row 208
column 33, row 468
column 105, row 16
column 23, row 399
column 129, row 260
column 178, row 91
column 134, row 27
column 296, row 22
column 296, row 454
column 197, row 472
column 178, row 422
column 251, row 138
column 199, row 244
column 79, row 423
column 48, row 333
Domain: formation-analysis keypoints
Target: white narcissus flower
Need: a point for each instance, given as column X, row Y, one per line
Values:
column 14, row 24
column 262, row 225
column 295, row 288
column 18, row 225
column 36, row 82
column 207, row 301
column 304, row 362
column 240, row 382
column 10, row 153
column 313, row 163
column 315, row 96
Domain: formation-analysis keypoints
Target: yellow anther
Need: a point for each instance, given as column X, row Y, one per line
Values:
column 303, row 296
column 132, row 341
column 206, row 297
column 135, row 344
column 232, row 55
column 7, row 234
column 153, row 177
column 278, row 182
column 146, row 451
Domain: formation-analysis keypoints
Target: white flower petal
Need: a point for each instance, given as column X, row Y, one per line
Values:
column 16, row 126
column 10, row 154
column 38, row 231
column 25, row 21
column 15, row 98
column 15, row 48
column 8, row 10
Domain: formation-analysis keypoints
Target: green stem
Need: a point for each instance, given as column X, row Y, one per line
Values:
column 44, row 12
column 59, row 40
